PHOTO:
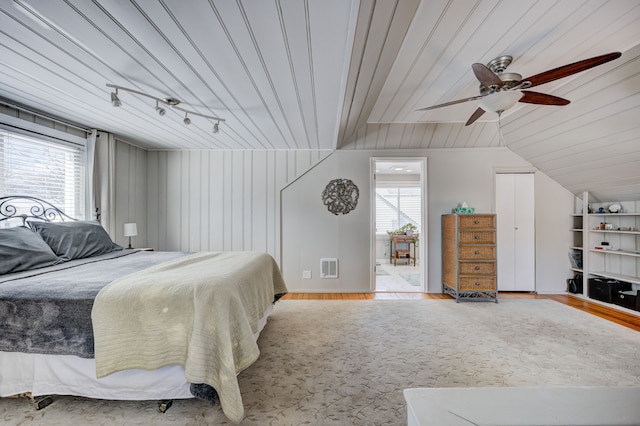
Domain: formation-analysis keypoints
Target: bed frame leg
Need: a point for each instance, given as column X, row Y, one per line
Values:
column 39, row 402
column 164, row 405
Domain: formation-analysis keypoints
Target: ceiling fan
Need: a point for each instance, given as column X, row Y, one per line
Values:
column 500, row 91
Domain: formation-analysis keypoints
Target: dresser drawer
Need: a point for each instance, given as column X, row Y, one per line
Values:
column 477, row 268
column 477, row 283
column 477, row 237
column 473, row 221
column 477, row 253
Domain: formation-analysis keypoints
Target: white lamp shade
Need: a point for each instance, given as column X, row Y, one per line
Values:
column 500, row 101
column 130, row 229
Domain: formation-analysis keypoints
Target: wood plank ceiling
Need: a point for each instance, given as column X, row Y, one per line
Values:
column 337, row 74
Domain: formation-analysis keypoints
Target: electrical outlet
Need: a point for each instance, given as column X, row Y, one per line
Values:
column 306, row 274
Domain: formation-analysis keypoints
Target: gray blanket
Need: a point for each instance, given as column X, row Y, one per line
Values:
column 48, row 310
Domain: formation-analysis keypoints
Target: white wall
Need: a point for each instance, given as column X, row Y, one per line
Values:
column 130, row 193
column 310, row 232
column 220, row 200
column 554, row 204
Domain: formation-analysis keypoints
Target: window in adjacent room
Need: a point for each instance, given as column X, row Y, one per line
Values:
column 43, row 168
column 396, row 206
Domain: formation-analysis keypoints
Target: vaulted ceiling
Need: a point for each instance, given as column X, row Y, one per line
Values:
column 337, row 74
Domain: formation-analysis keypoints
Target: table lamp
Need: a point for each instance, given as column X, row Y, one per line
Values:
column 130, row 230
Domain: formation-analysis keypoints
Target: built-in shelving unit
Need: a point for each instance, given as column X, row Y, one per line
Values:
column 576, row 249
column 607, row 242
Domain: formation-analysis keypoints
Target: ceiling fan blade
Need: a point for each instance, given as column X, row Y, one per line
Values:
column 477, row 114
column 542, row 99
column 567, row 70
column 486, row 76
column 459, row 101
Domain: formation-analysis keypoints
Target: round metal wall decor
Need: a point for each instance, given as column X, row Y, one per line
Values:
column 340, row 196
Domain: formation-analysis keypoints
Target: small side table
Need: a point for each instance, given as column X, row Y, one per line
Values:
column 407, row 254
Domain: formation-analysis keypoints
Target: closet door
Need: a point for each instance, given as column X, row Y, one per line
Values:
column 516, row 231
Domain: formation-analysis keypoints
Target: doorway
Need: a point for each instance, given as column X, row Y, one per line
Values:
column 398, row 211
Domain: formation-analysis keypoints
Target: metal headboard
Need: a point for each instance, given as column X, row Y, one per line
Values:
column 24, row 207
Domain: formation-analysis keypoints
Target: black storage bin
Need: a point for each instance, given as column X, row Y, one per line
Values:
column 604, row 289
column 574, row 285
column 628, row 299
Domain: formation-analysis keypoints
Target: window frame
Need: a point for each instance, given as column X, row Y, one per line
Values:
column 71, row 148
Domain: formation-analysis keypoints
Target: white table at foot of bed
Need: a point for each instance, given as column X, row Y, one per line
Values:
column 523, row 406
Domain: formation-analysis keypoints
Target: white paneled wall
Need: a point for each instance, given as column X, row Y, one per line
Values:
column 220, row 200
column 130, row 192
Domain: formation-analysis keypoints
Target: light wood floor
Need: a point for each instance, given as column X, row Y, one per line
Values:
column 609, row 313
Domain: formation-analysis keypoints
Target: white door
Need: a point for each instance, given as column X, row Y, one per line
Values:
column 516, row 231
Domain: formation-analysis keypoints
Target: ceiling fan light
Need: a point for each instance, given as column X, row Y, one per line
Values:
column 186, row 120
column 500, row 101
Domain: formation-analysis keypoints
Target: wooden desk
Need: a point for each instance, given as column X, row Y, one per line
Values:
column 396, row 253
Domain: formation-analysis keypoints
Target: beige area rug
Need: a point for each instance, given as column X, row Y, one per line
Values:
column 347, row 362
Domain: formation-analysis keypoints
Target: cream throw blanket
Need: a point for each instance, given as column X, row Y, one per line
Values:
column 200, row 311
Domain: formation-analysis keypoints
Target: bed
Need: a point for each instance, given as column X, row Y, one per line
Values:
column 80, row 315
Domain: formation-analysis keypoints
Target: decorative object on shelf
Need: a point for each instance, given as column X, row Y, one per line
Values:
column 406, row 229
column 615, row 208
column 576, row 260
column 463, row 208
column 130, row 230
column 340, row 196
column 169, row 101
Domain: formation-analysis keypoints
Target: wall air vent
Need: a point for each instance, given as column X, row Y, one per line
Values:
column 329, row 268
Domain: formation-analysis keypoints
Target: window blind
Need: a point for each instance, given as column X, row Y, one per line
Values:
column 52, row 171
column 397, row 206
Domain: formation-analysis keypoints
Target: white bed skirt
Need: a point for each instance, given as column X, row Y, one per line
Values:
column 71, row 375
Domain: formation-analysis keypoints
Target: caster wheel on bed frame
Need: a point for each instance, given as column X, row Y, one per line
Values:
column 39, row 402
column 164, row 405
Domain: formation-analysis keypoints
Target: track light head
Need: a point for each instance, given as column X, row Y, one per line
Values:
column 115, row 100
column 216, row 127
column 161, row 111
column 186, row 120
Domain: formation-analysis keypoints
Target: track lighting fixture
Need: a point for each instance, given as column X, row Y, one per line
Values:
column 161, row 111
column 115, row 100
column 172, row 102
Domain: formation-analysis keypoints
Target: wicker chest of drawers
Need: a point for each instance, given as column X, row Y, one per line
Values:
column 469, row 257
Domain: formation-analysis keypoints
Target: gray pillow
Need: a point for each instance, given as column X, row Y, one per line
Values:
column 21, row 249
column 76, row 239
